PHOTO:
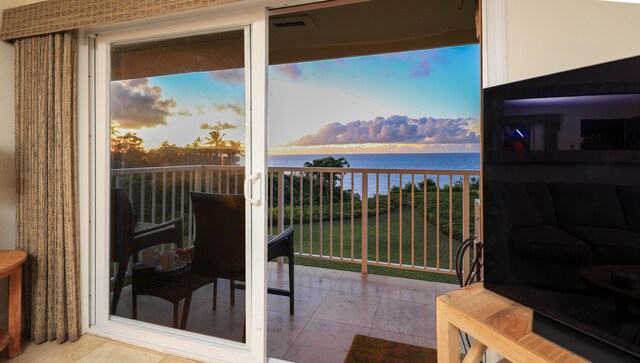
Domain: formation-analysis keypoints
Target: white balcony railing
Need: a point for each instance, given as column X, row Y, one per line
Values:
column 417, row 229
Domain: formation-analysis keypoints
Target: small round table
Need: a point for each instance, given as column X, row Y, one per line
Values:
column 11, row 266
column 599, row 278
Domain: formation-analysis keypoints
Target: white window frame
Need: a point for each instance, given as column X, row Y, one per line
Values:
column 494, row 43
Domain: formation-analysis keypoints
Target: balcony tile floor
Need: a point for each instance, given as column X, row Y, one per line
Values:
column 331, row 307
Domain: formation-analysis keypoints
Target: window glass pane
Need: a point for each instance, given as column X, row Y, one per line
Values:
column 177, row 170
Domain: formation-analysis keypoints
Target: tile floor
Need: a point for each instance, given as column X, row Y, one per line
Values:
column 331, row 307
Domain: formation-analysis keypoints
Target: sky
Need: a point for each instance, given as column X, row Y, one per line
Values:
column 418, row 101
column 180, row 108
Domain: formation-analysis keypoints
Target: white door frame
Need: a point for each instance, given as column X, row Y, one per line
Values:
column 182, row 343
column 92, row 167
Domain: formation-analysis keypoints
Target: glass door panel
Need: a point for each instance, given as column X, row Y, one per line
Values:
column 177, row 172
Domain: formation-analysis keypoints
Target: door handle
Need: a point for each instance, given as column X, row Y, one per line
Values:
column 247, row 187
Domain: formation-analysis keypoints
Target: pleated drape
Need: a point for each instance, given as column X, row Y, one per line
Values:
column 46, row 173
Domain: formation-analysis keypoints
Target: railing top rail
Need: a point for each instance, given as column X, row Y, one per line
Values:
column 160, row 169
column 372, row 170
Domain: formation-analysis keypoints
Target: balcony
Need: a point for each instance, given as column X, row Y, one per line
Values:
column 415, row 218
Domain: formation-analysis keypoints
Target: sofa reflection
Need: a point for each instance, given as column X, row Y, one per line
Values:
column 551, row 231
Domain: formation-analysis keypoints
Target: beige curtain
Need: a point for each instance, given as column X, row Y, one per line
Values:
column 47, row 199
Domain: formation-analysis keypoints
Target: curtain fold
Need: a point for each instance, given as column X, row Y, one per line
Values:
column 46, row 177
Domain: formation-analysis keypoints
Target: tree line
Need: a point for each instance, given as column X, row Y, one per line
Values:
column 127, row 151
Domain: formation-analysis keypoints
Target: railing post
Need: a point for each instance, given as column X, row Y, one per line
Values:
column 280, row 201
column 198, row 179
column 281, row 205
column 365, row 228
column 465, row 218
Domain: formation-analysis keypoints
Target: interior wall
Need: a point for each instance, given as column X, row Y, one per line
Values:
column 7, row 153
column 548, row 36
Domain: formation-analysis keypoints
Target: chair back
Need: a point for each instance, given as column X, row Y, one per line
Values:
column 473, row 272
column 122, row 223
column 219, row 245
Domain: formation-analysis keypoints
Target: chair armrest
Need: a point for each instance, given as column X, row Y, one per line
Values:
column 168, row 232
column 281, row 245
column 150, row 228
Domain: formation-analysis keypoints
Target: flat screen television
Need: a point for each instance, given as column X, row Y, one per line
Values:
column 561, row 204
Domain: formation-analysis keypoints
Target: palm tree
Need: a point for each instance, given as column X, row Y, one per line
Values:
column 235, row 148
column 215, row 141
column 328, row 162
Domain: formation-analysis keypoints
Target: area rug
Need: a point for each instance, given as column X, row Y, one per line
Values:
column 373, row 350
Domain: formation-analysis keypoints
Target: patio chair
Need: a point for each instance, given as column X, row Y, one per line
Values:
column 473, row 275
column 129, row 237
column 219, row 247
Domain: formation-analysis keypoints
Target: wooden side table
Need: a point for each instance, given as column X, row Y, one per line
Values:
column 11, row 266
column 495, row 322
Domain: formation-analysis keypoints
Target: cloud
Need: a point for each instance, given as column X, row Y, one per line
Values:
column 135, row 104
column 200, row 109
column 292, row 70
column 340, row 62
column 233, row 107
column 218, row 127
column 427, row 61
column 394, row 129
column 228, row 76
column 184, row 113
column 423, row 69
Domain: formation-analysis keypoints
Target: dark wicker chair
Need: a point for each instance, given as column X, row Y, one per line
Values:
column 219, row 247
column 129, row 237
column 473, row 273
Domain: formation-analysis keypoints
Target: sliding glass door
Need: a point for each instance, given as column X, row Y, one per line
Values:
column 180, row 158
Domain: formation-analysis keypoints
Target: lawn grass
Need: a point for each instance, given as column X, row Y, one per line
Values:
column 386, row 247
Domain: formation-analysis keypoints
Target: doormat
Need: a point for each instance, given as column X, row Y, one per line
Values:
column 373, row 350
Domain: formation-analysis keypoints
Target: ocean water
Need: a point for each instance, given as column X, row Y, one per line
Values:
column 432, row 161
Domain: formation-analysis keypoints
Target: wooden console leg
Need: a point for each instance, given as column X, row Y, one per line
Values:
column 15, row 312
column 448, row 337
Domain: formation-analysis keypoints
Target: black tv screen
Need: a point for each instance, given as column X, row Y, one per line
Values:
column 561, row 204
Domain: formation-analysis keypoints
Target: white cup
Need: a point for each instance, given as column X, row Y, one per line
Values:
column 149, row 256
column 168, row 259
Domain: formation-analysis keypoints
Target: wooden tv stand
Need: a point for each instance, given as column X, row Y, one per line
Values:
column 494, row 322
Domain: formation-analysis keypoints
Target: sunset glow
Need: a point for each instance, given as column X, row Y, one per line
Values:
column 411, row 102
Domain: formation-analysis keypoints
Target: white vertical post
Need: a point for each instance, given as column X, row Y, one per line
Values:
column 164, row 196
column 280, row 201
column 153, row 198
column 365, row 219
column 281, row 205
column 320, row 239
column 173, row 195
column 270, row 207
column 142, row 190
